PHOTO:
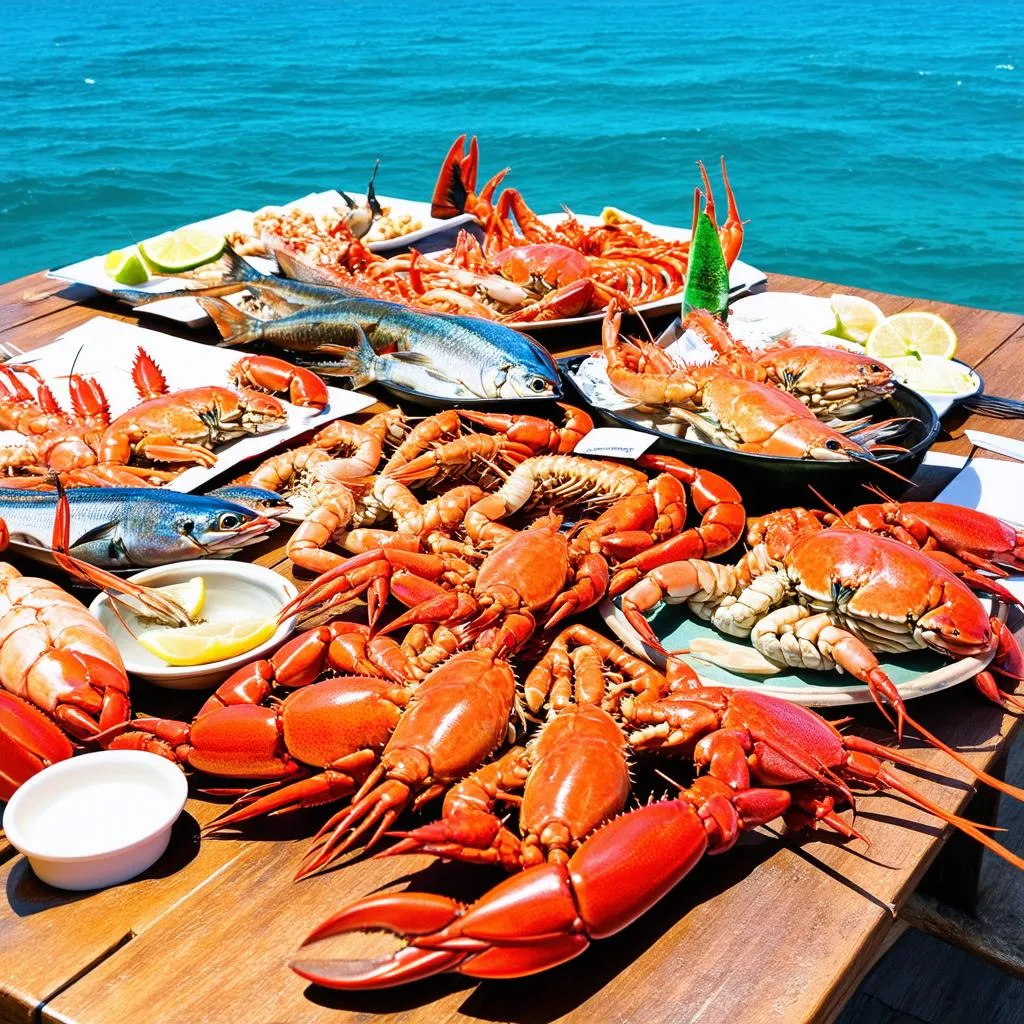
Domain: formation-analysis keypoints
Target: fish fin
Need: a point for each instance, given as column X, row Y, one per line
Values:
column 417, row 358
column 360, row 363
column 299, row 270
column 236, row 327
column 238, row 269
column 100, row 532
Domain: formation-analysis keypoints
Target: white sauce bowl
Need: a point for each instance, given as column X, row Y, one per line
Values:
column 240, row 588
column 97, row 819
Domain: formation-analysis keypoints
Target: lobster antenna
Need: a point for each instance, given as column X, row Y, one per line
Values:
column 672, row 782
column 75, row 360
column 875, row 489
column 828, row 504
column 869, row 460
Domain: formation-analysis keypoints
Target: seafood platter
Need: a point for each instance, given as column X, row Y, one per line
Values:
column 471, row 646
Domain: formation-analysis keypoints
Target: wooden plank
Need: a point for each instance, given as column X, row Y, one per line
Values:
column 59, row 935
column 36, row 296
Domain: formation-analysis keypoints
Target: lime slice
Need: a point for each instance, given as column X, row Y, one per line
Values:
column 125, row 266
column 207, row 642
column 932, row 375
column 181, row 250
column 912, row 334
column 856, row 317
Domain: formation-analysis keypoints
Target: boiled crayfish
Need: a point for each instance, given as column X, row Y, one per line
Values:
column 763, row 759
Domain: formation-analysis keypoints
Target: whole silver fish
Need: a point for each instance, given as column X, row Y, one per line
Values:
column 134, row 527
column 433, row 353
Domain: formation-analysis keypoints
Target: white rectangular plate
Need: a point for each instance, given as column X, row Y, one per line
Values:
column 104, row 349
column 187, row 311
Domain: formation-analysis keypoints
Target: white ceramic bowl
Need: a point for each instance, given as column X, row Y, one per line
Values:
column 98, row 819
column 247, row 590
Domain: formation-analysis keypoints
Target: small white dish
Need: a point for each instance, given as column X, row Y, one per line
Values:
column 97, row 819
column 241, row 588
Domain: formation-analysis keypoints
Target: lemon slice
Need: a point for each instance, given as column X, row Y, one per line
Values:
column 190, row 594
column 125, row 266
column 613, row 215
column 932, row 375
column 181, row 250
column 912, row 334
column 207, row 642
column 856, row 317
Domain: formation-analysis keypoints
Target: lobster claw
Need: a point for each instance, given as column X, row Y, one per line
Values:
column 406, row 915
column 527, row 923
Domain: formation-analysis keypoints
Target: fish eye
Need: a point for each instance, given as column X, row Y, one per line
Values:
column 538, row 384
column 875, row 368
column 956, row 632
column 833, row 445
column 229, row 521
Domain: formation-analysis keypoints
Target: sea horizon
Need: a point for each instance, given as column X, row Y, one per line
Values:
column 875, row 145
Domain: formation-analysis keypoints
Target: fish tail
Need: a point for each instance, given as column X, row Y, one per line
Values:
column 359, row 363
column 238, row 269
column 236, row 327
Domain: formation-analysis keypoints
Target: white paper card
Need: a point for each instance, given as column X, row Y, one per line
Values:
column 105, row 348
column 991, row 486
column 615, row 442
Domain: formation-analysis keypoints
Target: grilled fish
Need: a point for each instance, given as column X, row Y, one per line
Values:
column 436, row 354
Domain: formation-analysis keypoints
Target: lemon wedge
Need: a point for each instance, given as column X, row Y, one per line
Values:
column 932, row 375
column 181, row 250
column 856, row 317
column 912, row 334
column 125, row 266
column 207, row 642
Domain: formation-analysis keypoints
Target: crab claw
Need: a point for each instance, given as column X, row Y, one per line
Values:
column 406, row 915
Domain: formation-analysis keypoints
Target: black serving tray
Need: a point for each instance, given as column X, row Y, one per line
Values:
column 770, row 481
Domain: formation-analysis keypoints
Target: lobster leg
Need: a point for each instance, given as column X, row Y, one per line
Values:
column 468, row 829
column 1009, row 662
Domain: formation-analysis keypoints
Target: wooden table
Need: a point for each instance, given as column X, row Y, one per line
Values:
column 780, row 928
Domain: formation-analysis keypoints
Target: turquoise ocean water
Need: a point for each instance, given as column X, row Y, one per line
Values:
column 877, row 144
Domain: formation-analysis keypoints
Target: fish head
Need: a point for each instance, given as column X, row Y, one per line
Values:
column 212, row 525
column 259, row 499
column 528, row 380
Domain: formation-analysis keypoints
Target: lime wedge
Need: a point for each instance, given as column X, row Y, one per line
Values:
column 125, row 266
column 856, row 317
column 932, row 375
column 912, row 334
column 181, row 250
column 207, row 642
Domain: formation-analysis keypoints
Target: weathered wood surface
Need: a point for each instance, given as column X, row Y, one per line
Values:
column 779, row 928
